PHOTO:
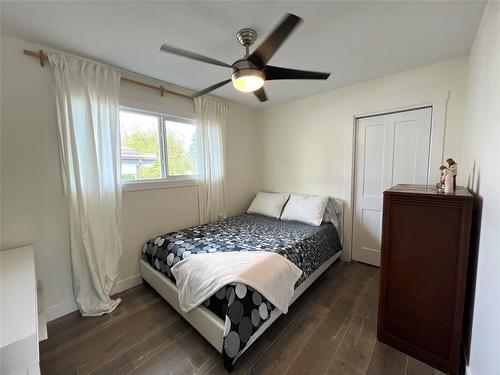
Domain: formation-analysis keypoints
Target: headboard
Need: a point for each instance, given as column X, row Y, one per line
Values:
column 340, row 216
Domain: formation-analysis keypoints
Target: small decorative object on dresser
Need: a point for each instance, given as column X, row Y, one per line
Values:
column 442, row 175
column 447, row 178
column 425, row 247
column 448, row 182
column 453, row 167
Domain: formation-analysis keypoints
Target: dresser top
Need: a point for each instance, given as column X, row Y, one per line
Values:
column 461, row 192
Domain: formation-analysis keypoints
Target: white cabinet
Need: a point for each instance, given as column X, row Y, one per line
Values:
column 18, row 312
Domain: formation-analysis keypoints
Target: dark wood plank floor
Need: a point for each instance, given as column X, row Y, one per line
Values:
column 331, row 329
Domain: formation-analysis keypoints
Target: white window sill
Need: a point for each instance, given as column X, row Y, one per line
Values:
column 158, row 184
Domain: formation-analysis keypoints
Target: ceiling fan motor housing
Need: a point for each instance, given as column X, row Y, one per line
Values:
column 246, row 76
column 245, row 68
column 243, row 64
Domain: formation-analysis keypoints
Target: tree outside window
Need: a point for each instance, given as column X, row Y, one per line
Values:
column 156, row 147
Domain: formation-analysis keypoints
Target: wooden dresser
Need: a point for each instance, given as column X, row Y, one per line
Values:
column 425, row 247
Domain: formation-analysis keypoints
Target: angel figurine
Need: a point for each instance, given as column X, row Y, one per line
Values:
column 440, row 184
column 448, row 181
column 453, row 167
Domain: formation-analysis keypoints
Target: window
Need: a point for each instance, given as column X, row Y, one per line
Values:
column 156, row 147
column 181, row 148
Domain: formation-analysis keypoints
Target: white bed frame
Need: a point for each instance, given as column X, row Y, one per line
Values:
column 209, row 325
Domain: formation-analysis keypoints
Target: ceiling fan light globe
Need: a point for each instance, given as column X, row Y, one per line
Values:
column 248, row 80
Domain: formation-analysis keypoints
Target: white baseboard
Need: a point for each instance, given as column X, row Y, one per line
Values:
column 66, row 307
column 42, row 326
column 60, row 309
column 468, row 370
column 127, row 283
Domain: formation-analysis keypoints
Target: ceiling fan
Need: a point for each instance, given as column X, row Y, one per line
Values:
column 249, row 73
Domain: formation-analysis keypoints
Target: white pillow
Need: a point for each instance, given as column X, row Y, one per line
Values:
column 268, row 204
column 332, row 211
column 307, row 209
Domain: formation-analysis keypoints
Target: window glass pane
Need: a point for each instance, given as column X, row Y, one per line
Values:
column 181, row 148
column 140, row 146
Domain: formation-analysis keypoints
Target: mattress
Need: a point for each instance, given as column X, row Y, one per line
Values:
column 243, row 309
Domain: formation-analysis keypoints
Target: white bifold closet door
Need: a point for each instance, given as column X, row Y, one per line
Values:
column 391, row 149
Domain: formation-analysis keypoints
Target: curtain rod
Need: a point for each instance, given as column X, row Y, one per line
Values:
column 44, row 57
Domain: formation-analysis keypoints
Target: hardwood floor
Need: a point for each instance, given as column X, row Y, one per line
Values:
column 330, row 329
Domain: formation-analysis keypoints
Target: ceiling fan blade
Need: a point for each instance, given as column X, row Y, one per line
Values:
column 276, row 72
column 261, row 94
column 267, row 49
column 211, row 88
column 192, row 55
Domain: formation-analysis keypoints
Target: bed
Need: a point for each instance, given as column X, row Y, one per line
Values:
column 236, row 315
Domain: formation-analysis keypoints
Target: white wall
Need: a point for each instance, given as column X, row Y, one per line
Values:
column 479, row 170
column 33, row 206
column 307, row 143
column 34, row 210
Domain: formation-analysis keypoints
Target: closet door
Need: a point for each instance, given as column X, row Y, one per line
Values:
column 391, row 149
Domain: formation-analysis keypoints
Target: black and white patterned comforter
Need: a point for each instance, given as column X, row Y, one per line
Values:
column 243, row 309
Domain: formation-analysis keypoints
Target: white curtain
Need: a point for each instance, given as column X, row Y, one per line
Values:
column 89, row 134
column 211, row 116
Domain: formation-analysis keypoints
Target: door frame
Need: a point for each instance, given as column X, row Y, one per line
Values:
column 438, row 124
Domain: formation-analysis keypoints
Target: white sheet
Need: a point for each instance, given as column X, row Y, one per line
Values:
column 201, row 275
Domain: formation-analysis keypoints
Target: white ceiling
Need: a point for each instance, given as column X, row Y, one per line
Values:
column 356, row 41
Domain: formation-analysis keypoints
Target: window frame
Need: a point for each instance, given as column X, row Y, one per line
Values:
column 165, row 181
